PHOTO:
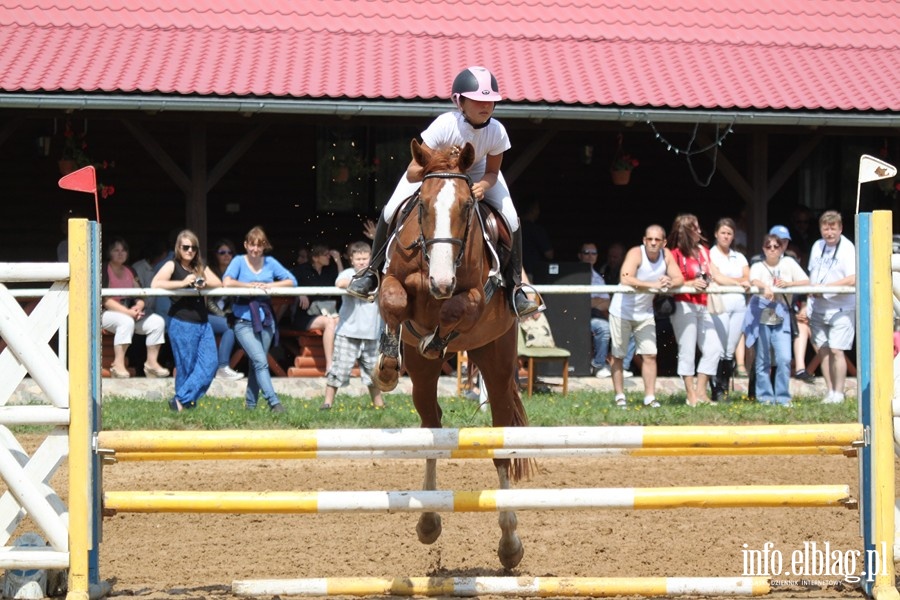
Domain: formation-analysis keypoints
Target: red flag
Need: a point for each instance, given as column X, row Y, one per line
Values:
column 82, row 180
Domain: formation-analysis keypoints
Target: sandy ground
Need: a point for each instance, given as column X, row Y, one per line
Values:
column 198, row 556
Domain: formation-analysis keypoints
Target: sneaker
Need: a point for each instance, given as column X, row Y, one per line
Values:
column 804, row 376
column 621, row 402
column 277, row 408
column 228, row 373
column 833, row 398
column 650, row 402
column 602, row 373
column 626, row 373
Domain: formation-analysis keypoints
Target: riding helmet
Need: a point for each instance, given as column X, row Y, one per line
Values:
column 476, row 83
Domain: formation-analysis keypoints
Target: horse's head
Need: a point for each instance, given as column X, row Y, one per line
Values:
column 446, row 208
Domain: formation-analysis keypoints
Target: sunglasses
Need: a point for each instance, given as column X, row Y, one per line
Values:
column 224, row 252
column 186, row 248
column 772, row 246
column 589, row 252
column 650, row 239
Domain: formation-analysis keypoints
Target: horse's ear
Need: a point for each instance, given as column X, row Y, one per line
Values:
column 418, row 153
column 466, row 157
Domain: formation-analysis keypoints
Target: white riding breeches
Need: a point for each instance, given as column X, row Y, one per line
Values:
column 498, row 197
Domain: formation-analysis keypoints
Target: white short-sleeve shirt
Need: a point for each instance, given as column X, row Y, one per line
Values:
column 451, row 129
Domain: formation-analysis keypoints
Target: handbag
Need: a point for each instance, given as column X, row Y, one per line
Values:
column 795, row 328
column 715, row 304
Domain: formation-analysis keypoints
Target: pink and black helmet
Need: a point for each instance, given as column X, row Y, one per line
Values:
column 475, row 83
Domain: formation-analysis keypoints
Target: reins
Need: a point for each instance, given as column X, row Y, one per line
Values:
column 424, row 243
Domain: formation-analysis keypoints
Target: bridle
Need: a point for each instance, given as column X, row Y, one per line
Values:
column 424, row 243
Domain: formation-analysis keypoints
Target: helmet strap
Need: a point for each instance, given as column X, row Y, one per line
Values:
column 474, row 126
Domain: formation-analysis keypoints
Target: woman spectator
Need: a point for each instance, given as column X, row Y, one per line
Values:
column 191, row 336
column 767, row 323
column 729, row 267
column 125, row 316
column 219, row 309
column 691, row 321
column 255, row 326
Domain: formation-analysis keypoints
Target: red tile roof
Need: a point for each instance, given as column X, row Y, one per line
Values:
column 779, row 54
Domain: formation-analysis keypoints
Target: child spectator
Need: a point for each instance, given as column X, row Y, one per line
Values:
column 357, row 334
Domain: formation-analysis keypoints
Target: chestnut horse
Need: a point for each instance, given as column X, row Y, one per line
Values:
column 440, row 294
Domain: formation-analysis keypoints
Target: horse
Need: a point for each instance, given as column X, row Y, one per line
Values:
column 438, row 295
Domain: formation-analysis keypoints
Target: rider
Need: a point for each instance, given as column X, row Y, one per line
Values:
column 474, row 93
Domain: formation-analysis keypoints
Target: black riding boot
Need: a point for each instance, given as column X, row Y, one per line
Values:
column 520, row 302
column 365, row 283
column 721, row 380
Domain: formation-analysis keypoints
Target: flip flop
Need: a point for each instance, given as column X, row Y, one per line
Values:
column 325, row 407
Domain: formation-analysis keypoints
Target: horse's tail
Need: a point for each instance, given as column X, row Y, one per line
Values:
column 521, row 468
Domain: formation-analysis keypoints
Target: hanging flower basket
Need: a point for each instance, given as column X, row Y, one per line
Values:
column 620, row 176
column 622, row 164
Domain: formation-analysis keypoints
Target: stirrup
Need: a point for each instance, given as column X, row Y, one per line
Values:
column 538, row 301
column 364, row 277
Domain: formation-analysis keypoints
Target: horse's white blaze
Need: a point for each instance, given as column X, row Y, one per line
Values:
column 441, row 268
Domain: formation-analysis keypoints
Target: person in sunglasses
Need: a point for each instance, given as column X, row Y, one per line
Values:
column 191, row 335
column 220, row 311
column 767, row 325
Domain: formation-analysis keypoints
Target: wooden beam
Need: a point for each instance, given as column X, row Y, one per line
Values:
column 527, row 157
column 237, row 151
column 758, row 208
column 149, row 143
column 793, row 162
column 196, row 213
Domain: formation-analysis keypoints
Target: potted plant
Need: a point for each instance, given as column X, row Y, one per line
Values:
column 74, row 156
column 621, row 168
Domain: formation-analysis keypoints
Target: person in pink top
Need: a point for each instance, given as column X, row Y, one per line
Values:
column 125, row 316
column 691, row 320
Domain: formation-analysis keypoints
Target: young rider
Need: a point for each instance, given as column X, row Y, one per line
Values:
column 474, row 93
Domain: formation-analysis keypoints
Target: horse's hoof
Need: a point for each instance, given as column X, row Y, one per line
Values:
column 387, row 373
column 511, row 553
column 429, row 528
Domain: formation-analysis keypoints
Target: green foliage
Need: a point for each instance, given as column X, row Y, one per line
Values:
column 576, row 409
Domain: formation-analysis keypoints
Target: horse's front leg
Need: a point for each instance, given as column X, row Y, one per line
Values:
column 510, row 550
column 429, row 526
column 393, row 303
column 460, row 313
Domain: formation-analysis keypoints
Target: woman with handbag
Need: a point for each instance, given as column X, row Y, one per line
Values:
column 729, row 267
column 767, row 323
column 691, row 320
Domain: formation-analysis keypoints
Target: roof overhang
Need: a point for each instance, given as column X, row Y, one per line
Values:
column 347, row 109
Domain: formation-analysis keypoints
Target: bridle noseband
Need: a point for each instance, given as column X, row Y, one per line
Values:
column 425, row 243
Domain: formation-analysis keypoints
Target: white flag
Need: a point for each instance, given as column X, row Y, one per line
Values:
column 872, row 169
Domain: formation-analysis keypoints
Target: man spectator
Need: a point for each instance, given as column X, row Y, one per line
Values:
column 646, row 268
column 832, row 317
column 536, row 246
column 599, row 314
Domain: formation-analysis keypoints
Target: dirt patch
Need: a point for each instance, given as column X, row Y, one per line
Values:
column 198, row 556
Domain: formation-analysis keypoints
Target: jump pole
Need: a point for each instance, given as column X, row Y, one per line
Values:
column 481, row 438
column 758, row 496
column 468, row 587
column 874, row 317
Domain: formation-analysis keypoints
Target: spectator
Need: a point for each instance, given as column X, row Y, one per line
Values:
column 322, row 312
column 802, row 231
column 255, row 326
column 691, row 321
column 153, row 252
column 220, row 312
column 191, row 336
column 646, row 268
column 126, row 316
column 610, row 271
column 536, row 246
column 730, row 268
column 767, row 324
column 832, row 317
column 599, row 314
column 357, row 334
